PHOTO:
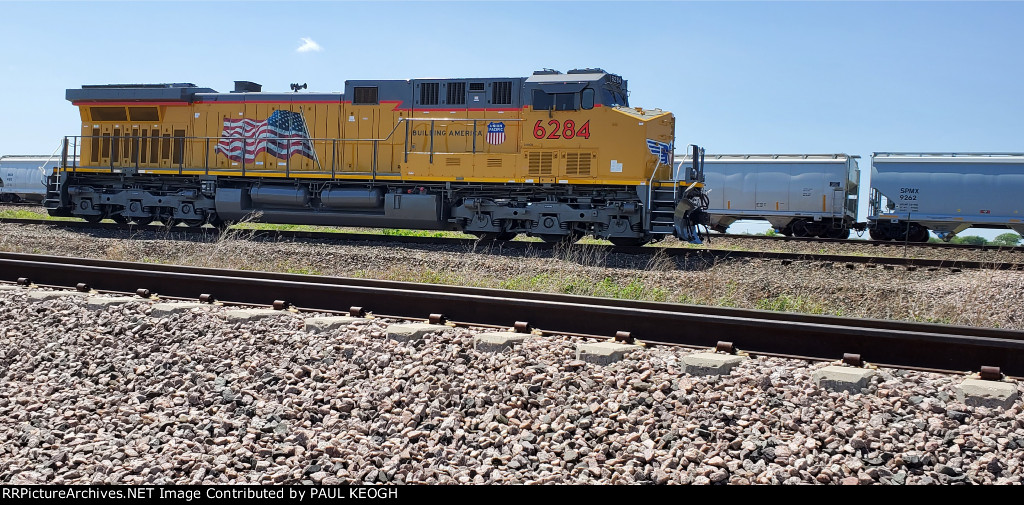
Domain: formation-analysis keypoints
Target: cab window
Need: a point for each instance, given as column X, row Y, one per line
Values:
column 587, row 98
column 556, row 101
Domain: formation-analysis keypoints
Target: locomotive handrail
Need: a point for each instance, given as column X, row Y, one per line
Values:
column 184, row 143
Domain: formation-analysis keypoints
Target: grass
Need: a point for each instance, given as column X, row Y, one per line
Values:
column 32, row 214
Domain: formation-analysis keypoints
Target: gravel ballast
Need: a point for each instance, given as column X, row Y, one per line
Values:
column 117, row 396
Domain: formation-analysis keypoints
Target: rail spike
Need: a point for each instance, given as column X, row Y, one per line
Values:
column 990, row 373
column 625, row 337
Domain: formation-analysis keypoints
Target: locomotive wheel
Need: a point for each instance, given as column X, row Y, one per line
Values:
column 558, row 239
column 169, row 222
column 491, row 236
column 486, row 236
column 627, row 241
column 194, row 223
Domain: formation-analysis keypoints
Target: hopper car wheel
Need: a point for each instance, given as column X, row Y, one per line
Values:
column 800, row 229
column 194, row 223
column 143, row 221
column 627, row 241
column 505, row 236
column 878, row 235
column 841, row 234
column 919, row 235
column 119, row 219
column 93, row 218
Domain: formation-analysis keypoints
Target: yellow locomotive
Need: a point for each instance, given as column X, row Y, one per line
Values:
column 552, row 155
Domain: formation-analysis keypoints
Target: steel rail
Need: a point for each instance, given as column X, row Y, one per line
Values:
column 887, row 343
column 705, row 255
column 711, row 239
column 874, row 243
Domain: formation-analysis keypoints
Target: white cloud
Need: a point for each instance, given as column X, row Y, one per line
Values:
column 308, row 45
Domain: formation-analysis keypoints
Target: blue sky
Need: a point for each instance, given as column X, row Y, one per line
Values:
column 758, row 77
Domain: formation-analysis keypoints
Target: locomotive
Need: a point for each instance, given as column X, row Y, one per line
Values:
column 554, row 155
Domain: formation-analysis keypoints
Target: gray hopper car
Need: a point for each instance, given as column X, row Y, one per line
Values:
column 803, row 195
column 23, row 177
column 946, row 193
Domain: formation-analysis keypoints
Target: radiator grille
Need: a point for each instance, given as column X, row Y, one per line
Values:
column 429, row 93
column 456, row 93
column 540, row 163
column 578, row 164
column 502, row 93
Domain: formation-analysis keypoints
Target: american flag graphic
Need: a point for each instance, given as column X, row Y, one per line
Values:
column 282, row 134
column 495, row 133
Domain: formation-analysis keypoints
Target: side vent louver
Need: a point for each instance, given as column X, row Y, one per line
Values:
column 456, row 93
column 578, row 164
column 502, row 93
column 540, row 163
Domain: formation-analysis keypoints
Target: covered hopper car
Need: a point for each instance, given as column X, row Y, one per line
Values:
column 803, row 195
column 910, row 195
column 552, row 155
column 945, row 193
column 23, row 177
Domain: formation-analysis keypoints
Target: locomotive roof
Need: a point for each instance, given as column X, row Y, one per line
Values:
column 482, row 91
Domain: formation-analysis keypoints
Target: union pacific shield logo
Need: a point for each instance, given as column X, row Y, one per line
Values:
column 495, row 133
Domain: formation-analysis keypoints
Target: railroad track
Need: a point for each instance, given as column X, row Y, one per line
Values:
column 887, row 343
column 704, row 255
column 875, row 243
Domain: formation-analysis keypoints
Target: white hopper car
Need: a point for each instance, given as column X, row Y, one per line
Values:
column 803, row 195
column 945, row 193
column 23, row 177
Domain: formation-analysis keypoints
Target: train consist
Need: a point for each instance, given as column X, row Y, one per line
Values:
column 553, row 155
column 23, row 177
column 911, row 194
